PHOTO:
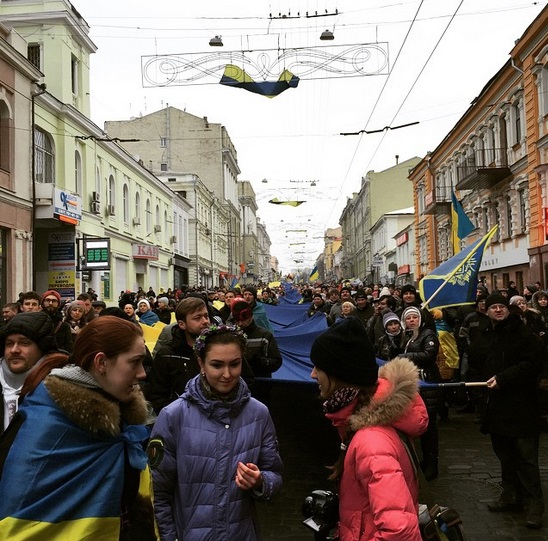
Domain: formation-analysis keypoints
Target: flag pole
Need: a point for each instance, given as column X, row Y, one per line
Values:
column 485, row 239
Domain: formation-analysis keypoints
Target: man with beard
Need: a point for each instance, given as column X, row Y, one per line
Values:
column 175, row 363
column 24, row 342
column 51, row 305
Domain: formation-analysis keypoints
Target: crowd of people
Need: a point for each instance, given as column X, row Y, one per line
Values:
column 204, row 392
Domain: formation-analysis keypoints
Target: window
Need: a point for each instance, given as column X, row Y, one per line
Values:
column 98, row 181
column 111, row 191
column 420, row 198
column 5, row 137
column 163, row 142
column 517, row 123
column 544, row 90
column 78, row 173
column 34, row 55
column 509, row 217
column 148, row 217
column 522, row 209
column 75, row 72
column 125, row 202
column 43, row 157
column 486, row 219
column 163, row 167
column 137, row 208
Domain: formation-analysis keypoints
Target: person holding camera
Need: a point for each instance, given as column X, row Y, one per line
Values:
column 370, row 407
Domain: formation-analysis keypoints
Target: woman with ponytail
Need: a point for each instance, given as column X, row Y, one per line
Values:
column 370, row 407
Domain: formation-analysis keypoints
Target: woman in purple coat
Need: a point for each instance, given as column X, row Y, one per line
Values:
column 214, row 451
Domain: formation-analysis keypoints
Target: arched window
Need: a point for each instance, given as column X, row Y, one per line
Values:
column 148, row 213
column 98, row 181
column 5, row 137
column 78, row 173
column 137, row 216
column 43, row 157
column 111, row 204
column 111, row 191
column 125, row 202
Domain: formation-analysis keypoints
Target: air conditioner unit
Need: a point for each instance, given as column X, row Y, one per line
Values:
column 95, row 207
column 110, row 210
column 136, row 221
column 173, row 239
column 96, row 197
column 157, row 228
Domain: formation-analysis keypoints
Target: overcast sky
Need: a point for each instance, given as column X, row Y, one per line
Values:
column 441, row 54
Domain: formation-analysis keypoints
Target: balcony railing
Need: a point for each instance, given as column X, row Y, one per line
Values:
column 438, row 201
column 483, row 169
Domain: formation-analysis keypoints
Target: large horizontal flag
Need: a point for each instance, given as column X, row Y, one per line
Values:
column 314, row 275
column 461, row 226
column 455, row 281
column 237, row 77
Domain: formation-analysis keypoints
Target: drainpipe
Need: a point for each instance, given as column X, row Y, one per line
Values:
column 38, row 91
column 513, row 64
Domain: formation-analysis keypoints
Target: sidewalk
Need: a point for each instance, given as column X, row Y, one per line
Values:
column 469, row 471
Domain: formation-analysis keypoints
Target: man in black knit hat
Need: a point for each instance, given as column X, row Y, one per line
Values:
column 25, row 341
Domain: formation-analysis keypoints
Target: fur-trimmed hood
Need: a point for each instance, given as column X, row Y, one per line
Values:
column 394, row 400
column 92, row 410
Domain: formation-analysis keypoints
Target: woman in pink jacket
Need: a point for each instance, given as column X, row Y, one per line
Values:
column 378, row 488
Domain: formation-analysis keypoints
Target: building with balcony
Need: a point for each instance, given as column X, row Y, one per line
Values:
column 494, row 159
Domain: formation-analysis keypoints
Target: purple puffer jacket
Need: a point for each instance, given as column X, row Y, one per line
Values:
column 198, row 444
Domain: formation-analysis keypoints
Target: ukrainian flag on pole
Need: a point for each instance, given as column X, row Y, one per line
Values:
column 455, row 281
column 461, row 226
column 314, row 275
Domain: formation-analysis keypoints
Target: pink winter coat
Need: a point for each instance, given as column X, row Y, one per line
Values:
column 379, row 489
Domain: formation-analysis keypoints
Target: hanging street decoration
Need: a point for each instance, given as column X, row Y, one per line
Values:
column 266, row 71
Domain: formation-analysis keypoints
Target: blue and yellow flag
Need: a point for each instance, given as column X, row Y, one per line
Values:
column 276, row 201
column 455, row 281
column 235, row 281
column 461, row 226
column 314, row 275
column 237, row 77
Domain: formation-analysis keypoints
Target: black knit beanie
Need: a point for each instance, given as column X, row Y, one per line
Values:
column 37, row 326
column 408, row 287
column 345, row 352
column 496, row 298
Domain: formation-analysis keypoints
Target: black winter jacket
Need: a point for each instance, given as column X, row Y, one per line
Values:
column 515, row 355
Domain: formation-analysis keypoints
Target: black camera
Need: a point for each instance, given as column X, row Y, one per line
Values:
column 321, row 512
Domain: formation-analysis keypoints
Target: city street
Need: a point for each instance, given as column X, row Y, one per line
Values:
column 469, row 473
